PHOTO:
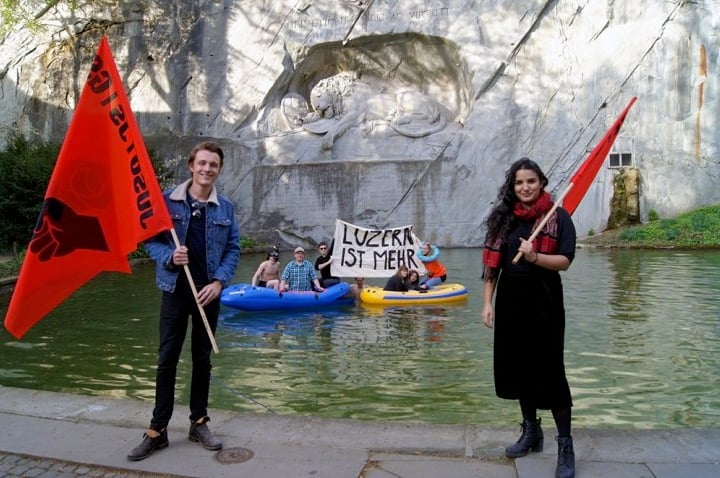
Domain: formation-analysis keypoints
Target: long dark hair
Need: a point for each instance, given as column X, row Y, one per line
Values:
column 501, row 217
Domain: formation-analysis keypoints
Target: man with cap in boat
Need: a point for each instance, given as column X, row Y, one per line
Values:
column 300, row 274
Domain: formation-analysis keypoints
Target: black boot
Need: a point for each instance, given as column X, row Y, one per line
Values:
column 531, row 439
column 148, row 446
column 566, row 458
column 200, row 433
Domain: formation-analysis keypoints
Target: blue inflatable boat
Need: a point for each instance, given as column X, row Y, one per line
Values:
column 247, row 297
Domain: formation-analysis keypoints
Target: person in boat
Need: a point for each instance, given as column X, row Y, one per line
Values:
column 436, row 272
column 300, row 274
column 397, row 282
column 357, row 287
column 206, row 225
column 413, row 280
column 268, row 272
column 528, row 315
column 323, row 263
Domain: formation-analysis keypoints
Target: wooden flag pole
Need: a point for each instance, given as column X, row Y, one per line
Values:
column 544, row 220
column 195, row 294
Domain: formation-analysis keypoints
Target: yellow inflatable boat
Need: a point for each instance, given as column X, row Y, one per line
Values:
column 442, row 293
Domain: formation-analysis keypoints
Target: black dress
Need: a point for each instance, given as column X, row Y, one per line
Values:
column 530, row 324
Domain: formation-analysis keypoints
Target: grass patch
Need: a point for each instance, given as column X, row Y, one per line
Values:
column 699, row 228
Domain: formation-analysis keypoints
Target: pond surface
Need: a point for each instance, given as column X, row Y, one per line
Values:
column 642, row 348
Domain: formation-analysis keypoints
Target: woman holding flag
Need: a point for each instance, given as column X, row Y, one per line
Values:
column 528, row 315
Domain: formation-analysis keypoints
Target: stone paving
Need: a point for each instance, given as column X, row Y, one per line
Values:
column 23, row 466
column 47, row 434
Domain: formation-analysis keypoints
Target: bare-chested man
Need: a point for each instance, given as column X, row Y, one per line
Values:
column 268, row 272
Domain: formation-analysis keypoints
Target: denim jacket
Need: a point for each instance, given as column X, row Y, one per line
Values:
column 222, row 238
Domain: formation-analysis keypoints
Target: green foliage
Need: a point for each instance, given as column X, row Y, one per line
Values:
column 14, row 13
column 165, row 169
column 26, row 14
column 26, row 170
column 699, row 228
column 653, row 215
column 139, row 253
column 247, row 243
column 12, row 267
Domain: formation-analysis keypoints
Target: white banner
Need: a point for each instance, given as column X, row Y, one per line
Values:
column 360, row 252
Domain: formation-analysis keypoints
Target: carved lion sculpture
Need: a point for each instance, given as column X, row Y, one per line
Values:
column 342, row 101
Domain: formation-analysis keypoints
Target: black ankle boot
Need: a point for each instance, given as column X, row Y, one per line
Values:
column 148, row 446
column 531, row 439
column 566, row 458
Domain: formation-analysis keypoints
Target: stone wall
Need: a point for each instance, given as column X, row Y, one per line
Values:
column 386, row 113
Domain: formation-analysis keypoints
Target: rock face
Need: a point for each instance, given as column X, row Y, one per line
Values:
column 625, row 205
column 388, row 112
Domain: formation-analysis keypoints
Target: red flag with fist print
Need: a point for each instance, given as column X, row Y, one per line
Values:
column 102, row 201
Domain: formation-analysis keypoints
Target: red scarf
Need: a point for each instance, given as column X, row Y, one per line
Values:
column 546, row 240
column 537, row 210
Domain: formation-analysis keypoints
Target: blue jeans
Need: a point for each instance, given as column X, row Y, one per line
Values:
column 433, row 281
column 174, row 312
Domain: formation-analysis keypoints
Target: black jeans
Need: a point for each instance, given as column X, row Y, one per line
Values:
column 174, row 312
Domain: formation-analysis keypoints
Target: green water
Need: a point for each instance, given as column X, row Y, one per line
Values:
column 642, row 348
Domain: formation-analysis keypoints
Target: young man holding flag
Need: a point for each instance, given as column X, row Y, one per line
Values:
column 102, row 201
column 206, row 225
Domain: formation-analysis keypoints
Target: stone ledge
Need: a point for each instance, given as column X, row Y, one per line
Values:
column 7, row 284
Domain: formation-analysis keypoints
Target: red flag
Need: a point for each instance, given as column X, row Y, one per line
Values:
column 584, row 177
column 103, row 199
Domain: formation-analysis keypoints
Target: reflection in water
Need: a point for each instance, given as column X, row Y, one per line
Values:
column 626, row 300
column 648, row 348
column 642, row 348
